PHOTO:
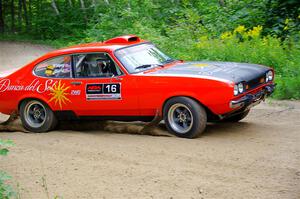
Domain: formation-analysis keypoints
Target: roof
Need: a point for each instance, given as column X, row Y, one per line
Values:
column 108, row 45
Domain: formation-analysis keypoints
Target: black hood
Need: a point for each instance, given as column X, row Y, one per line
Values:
column 230, row 71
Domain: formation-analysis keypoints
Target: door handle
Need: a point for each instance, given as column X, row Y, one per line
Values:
column 76, row 83
column 117, row 78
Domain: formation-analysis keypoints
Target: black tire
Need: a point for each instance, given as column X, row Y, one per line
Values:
column 237, row 117
column 180, row 110
column 36, row 116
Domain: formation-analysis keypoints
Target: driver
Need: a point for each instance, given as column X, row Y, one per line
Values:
column 103, row 65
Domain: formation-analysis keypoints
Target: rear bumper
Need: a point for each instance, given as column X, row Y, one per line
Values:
column 253, row 99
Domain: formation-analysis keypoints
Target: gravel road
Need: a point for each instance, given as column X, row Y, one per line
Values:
column 256, row 158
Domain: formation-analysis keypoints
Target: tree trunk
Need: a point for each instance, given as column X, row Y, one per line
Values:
column 12, row 10
column 82, row 4
column 70, row 3
column 53, row 4
column 38, row 12
column 222, row 3
column 25, row 15
column 1, row 18
column 106, row 1
column 83, row 10
column 30, row 12
column 20, row 15
column 93, row 3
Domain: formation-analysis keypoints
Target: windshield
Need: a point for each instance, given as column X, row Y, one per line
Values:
column 142, row 57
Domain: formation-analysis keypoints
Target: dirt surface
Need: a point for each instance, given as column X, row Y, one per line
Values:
column 15, row 55
column 256, row 158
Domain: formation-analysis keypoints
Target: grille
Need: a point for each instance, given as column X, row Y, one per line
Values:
column 256, row 82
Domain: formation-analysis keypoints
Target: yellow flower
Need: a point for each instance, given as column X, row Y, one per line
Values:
column 265, row 41
column 226, row 35
column 240, row 29
column 203, row 38
column 255, row 32
column 287, row 20
column 200, row 45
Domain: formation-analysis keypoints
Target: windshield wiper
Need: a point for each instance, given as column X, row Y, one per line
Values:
column 169, row 61
column 147, row 66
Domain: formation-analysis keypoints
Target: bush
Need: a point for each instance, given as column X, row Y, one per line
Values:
column 242, row 45
column 256, row 31
column 6, row 191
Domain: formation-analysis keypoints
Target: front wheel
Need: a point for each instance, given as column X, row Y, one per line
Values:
column 36, row 116
column 184, row 117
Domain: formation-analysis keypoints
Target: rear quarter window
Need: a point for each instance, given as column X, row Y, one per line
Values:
column 58, row 67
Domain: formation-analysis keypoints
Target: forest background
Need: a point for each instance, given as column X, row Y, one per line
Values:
column 255, row 31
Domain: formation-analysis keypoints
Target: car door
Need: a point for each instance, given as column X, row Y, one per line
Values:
column 103, row 87
column 53, row 82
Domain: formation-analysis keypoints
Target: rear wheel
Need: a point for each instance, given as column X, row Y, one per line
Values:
column 184, row 117
column 237, row 117
column 36, row 116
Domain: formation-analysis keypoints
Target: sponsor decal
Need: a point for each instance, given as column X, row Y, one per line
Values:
column 59, row 93
column 75, row 92
column 34, row 86
column 103, row 91
column 58, row 90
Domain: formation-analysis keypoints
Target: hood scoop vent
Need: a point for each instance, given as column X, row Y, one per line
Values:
column 123, row 39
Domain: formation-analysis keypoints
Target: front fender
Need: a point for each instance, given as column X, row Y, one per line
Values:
column 155, row 91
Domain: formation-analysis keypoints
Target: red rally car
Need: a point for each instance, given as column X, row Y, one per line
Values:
column 129, row 79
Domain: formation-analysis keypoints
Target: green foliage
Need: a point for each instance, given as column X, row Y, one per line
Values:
column 257, row 31
column 288, row 88
column 6, row 191
column 282, row 18
column 3, row 146
column 241, row 47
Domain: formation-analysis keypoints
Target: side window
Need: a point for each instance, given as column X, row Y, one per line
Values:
column 95, row 65
column 58, row 67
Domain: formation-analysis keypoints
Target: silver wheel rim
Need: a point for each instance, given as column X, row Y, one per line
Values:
column 35, row 114
column 180, row 118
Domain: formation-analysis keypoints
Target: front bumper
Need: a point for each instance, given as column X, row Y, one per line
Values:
column 250, row 100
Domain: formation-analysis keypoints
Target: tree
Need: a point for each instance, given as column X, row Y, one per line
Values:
column 279, row 13
column 25, row 14
column 12, row 10
column 30, row 10
column 1, row 17
column 83, row 9
column 20, row 15
column 82, row 4
column 222, row 3
column 70, row 3
column 54, row 6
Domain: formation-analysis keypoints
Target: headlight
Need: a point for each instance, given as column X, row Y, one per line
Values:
column 236, row 90
column 269, row 76
column 241, row 87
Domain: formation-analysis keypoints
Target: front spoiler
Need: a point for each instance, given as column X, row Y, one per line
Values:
column 251, row 100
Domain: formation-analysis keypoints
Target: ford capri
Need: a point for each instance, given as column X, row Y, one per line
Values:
column 130, row 79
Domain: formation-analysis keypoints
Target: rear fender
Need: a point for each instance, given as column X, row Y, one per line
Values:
column 36, row 97
column 7, row 73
